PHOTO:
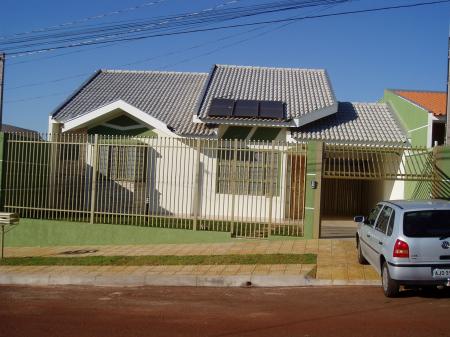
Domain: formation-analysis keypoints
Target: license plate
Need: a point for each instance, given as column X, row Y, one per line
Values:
column 440, row 273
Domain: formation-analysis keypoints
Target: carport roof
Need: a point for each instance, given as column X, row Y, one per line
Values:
column 356, row 123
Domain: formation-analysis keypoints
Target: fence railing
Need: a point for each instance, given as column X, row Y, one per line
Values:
column 382, row 163
column 251, row 189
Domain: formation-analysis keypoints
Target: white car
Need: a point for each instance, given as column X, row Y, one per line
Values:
column 407, row 242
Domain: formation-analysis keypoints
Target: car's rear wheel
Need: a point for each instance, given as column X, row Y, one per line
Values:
column 361, row 258
column 391, row 288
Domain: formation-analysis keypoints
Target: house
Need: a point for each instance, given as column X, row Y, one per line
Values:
column 8, row 128
column 285, row 107
column 422, row 114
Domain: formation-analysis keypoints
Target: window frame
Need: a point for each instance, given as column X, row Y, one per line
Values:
column 372, row 225
column 378, row 228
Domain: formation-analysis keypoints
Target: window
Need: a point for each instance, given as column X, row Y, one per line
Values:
column 124, row 163
column 427, row 224
column 383, row 219
column 265, row 134
column 373, row 215
column 391, row 224
column 237, row 132
column 257, row 172
column 437, row 133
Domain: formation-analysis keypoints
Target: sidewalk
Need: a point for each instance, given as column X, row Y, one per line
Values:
column 336, row 265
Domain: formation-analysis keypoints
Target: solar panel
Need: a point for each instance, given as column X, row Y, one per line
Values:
column 271, row 109
column 246, row 108
column 221, row 107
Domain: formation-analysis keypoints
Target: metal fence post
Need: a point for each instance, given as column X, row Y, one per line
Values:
column 271, row 191
column 233, row 184
column 3, row 142
column 94, row 178
column 2, row 238
column 197, row 185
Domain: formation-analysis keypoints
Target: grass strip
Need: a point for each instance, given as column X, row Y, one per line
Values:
column 162, row 260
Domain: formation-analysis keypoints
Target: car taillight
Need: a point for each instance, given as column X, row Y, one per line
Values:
column 401, row 249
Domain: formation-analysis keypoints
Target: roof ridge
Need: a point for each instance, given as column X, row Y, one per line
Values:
column 151, row 72
column 367, row 103
column 266, row 67
column 421, row 91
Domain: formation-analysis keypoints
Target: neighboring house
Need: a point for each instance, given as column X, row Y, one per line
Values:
column 422, row 114
column 292, row 106
column 15, row 129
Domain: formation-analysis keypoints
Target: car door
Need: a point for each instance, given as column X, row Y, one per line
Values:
column 378, row 239
column 366, row 232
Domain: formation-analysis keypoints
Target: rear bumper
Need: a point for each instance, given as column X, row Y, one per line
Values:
column 416, row 273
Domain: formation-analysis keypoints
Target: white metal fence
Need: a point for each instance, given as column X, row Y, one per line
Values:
column 251, row 189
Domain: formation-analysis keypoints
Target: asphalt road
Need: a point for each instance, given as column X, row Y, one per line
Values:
column 156, row 311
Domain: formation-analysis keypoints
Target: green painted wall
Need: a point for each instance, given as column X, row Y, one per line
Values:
column 43, row 233
column 312, row 196
column 441, row 189
column 411, row 117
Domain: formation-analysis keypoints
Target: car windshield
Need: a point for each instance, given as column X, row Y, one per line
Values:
column 427, row 224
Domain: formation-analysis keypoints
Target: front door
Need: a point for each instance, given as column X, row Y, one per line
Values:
column 296, row 193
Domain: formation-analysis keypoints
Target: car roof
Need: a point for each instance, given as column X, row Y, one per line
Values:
column 420, row 204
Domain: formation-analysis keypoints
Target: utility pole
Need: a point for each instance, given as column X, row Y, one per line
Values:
column 2, row 72
column 447, row 136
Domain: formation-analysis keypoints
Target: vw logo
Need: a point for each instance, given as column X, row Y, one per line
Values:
column 445, row 244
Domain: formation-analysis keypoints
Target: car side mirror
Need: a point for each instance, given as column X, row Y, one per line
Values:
column 359, row 218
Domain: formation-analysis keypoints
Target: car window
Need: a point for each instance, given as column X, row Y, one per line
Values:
column 427, row 224
column 373, row 215
column 391, row 224
column 383, row 219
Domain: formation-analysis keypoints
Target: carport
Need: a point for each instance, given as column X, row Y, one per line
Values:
column 354, row 178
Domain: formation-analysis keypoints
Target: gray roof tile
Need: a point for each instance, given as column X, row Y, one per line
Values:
column 360, row 123
column 167, row 96
column 303, row 90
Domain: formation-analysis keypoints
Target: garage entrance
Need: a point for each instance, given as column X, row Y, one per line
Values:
column 355, row 178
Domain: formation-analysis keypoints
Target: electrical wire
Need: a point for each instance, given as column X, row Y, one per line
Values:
column 28, row 52
column 211, row 16
column 84, row 20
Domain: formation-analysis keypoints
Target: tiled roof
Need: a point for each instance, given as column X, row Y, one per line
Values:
column 167, row 96
column 15, row 129
column 432, row 101
column 355, row 123
column 304, row 91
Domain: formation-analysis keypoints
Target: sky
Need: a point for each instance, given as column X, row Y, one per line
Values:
column 364, row 54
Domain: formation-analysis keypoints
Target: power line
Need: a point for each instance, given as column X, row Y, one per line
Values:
column 211, row 16
column 27, row 52
column 288, row 20
column 110, row 44
column 84, row 20
column 233, row 44
column 177, row 51
column 36, row 97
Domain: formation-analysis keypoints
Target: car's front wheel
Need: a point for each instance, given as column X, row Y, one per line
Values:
column 361, row 258
column 391, row 288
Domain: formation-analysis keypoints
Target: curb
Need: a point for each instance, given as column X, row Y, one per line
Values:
column 127, row 280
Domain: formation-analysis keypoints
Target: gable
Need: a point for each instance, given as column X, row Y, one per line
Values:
column 169, row 97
